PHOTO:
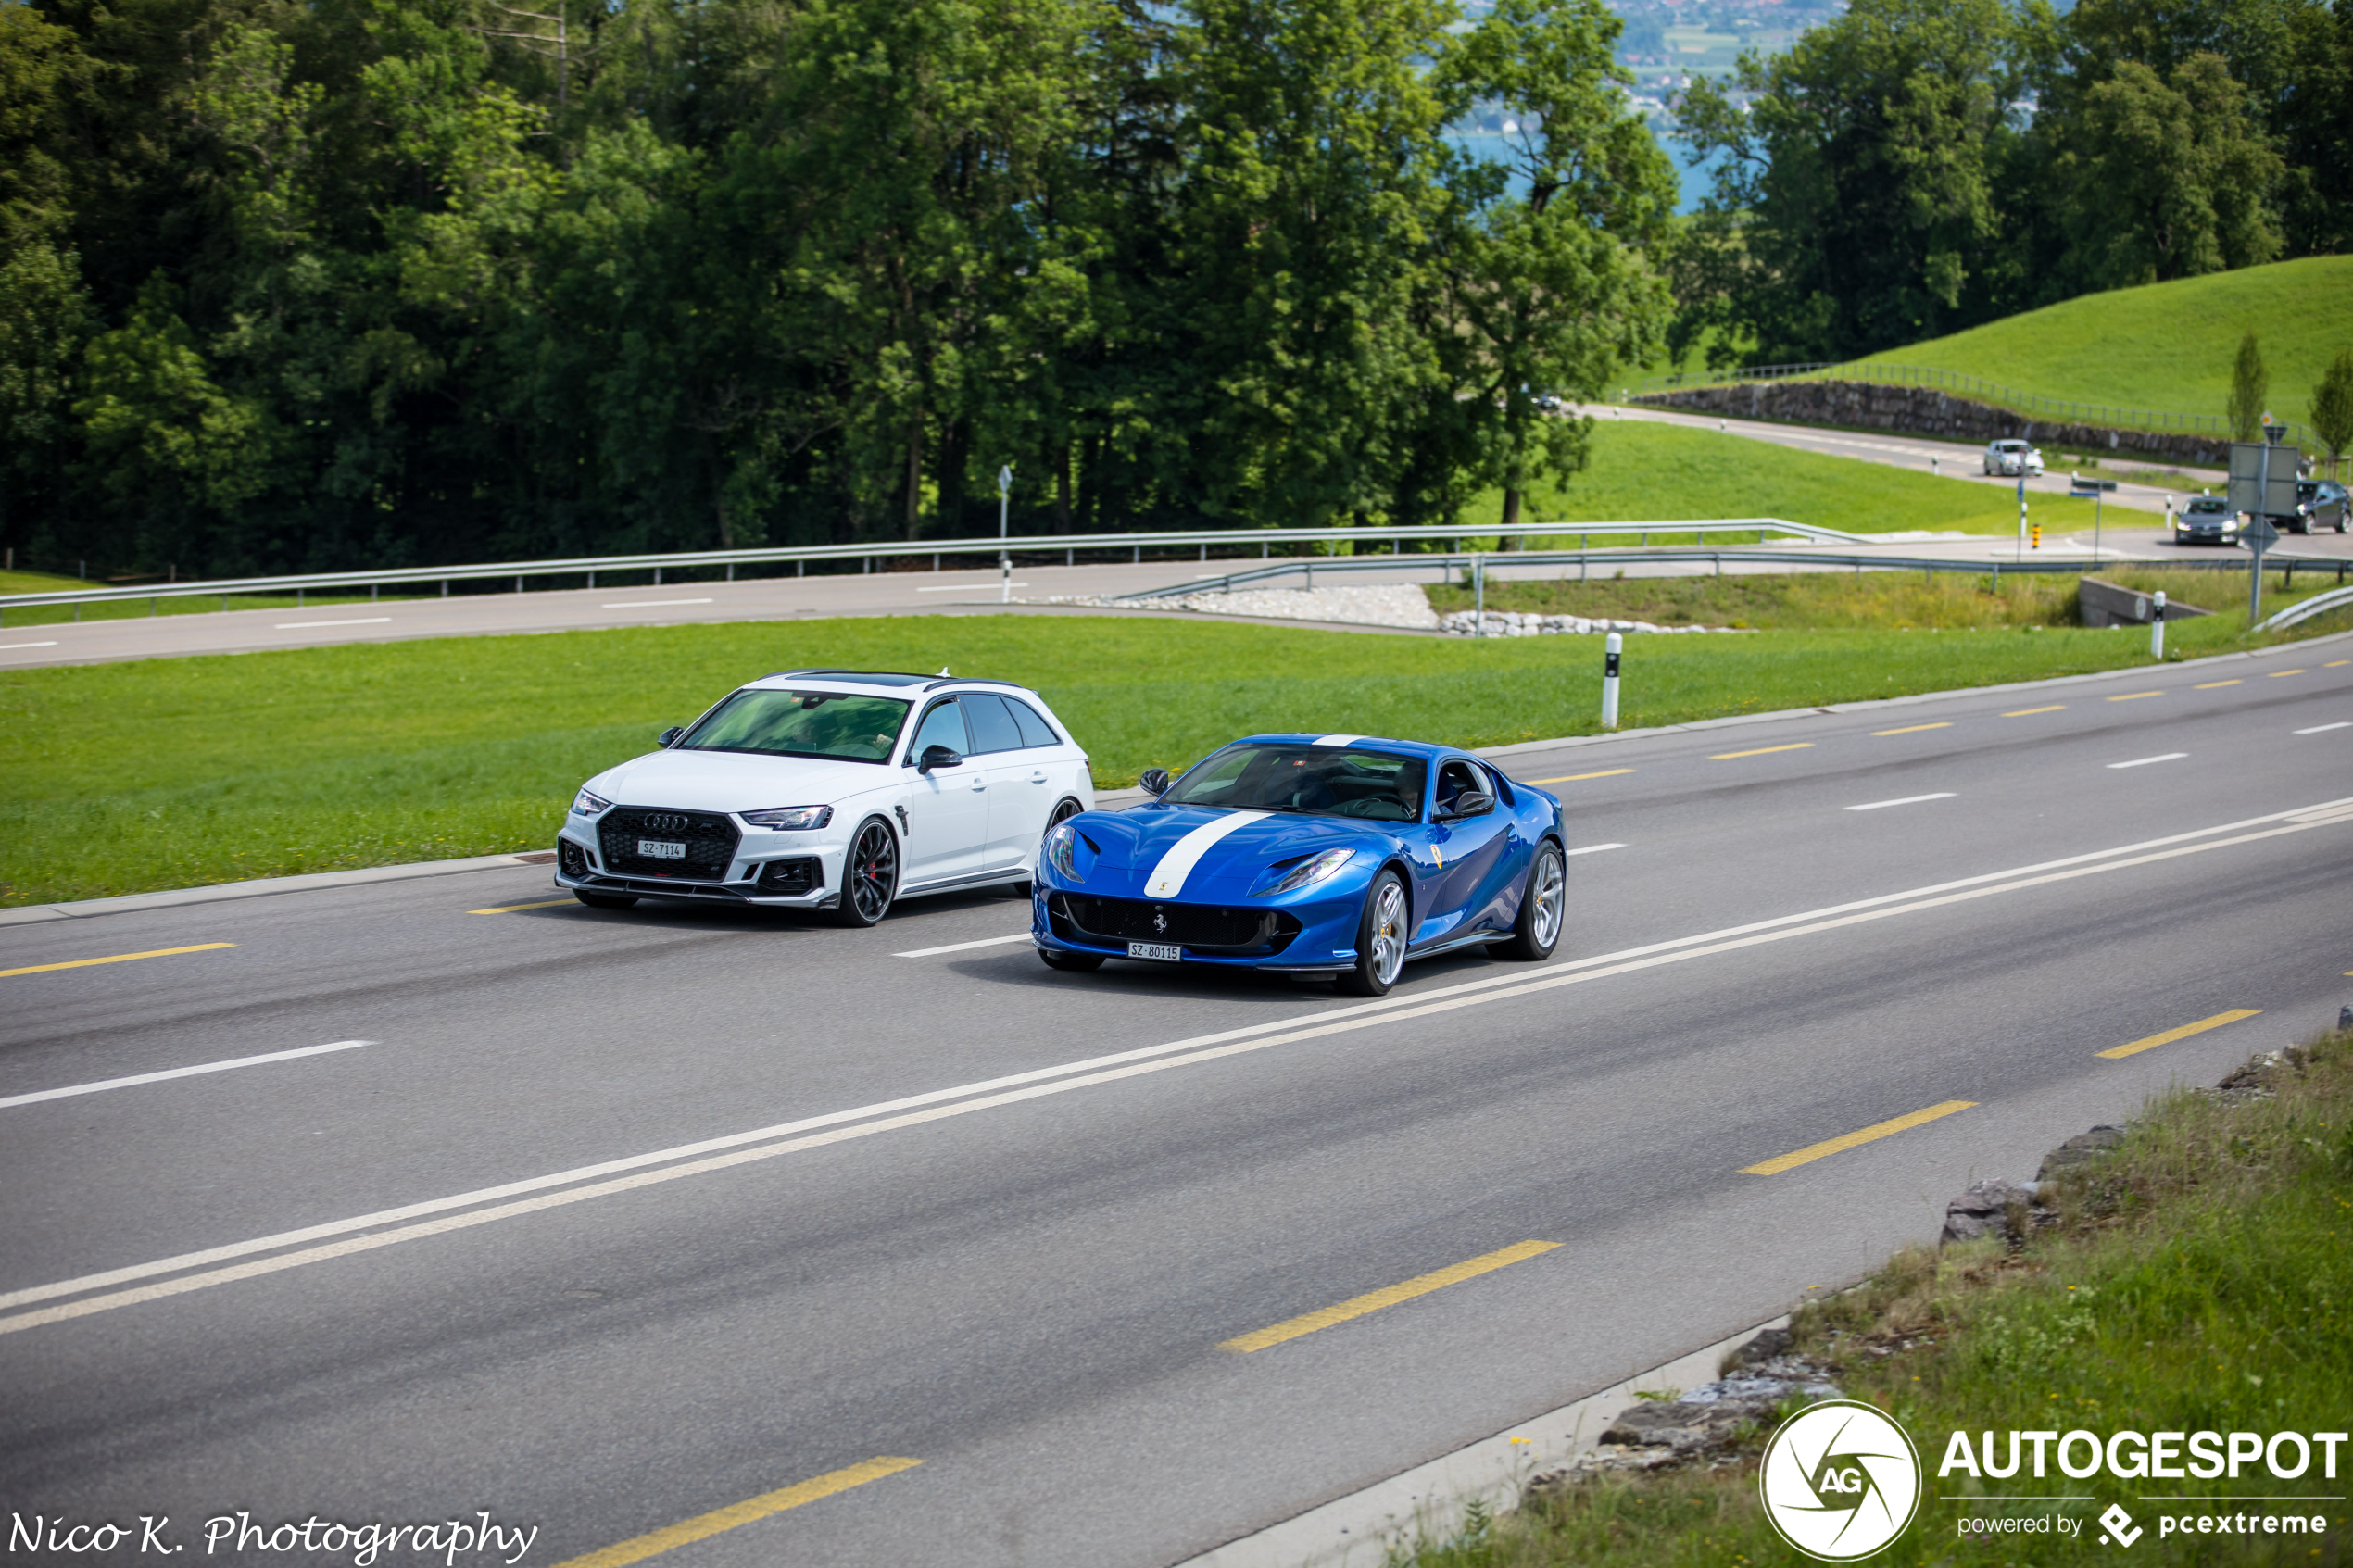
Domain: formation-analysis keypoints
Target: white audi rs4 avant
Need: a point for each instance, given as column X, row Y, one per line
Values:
column 830, row 789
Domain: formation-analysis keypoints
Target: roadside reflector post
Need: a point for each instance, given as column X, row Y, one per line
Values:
column 1612, row 645
column 1478, row 596
column 2156, row 627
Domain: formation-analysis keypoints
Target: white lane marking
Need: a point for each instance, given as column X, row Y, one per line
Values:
column 1904, row 800
column 968, row 587
column 181, row 1073
column 2317, row 729
column 1592, row 848
column 2144, row 761
column 1168, row 877
column 1122, row 1064
column 363, row 621
column 48, row 645
column 1334, row 740
column 963, row 947
column 652, row 604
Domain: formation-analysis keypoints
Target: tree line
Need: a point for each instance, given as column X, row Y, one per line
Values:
column 339, row 282
column 1919, row 167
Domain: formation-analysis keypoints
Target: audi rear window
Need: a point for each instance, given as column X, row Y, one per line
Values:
column 832, row 725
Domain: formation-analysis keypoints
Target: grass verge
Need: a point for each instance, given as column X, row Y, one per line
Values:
column 1642, row 471
column 2195, row 1280
column 176, row 773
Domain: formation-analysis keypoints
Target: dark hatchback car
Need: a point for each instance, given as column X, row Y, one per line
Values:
column 2208, row 519
column 2318, row 504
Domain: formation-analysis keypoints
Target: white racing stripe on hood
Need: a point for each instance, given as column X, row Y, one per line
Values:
column 1168, row 877
column 1334, row 740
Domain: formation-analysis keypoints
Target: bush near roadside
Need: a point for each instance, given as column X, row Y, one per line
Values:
column 2196, row 1279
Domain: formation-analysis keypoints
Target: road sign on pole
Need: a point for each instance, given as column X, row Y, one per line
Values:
column 2258, row 536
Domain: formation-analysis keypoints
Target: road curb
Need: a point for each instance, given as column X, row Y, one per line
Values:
column 1429, row 1502
column 133, row 902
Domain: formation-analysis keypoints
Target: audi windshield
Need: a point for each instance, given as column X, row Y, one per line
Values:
column 832, row 726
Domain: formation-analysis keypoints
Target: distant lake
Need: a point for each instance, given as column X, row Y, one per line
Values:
column 1693, row 172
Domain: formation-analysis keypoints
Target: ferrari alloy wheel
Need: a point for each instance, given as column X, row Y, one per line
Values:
column 1542, row 904
column 1380, row 940
column 869, row 876
column 1070, row 963
column 603, row 900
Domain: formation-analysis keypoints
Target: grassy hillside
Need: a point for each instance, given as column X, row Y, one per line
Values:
column 2168, row 346
column 1642, row 471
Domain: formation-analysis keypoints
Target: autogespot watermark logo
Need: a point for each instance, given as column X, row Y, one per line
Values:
column 1840, row 1480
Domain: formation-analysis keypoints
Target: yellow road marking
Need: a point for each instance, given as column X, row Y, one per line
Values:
column 2209, row 685
column 1572, row 778
column 2334, row 662
column 1814, row 1152
column 119, row 958
column 1374, row 1302
column 1909, row 729
column 2134, row 696
column 2027, row 712
column 511, row 908
column 1760, row 751
column 706, row 1525
column 2117, row 1053
column 2277, row 673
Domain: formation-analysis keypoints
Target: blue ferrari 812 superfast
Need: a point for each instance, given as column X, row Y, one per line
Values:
column 1338, row 855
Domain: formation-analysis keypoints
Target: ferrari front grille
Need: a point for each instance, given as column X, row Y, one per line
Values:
column 1207, row 927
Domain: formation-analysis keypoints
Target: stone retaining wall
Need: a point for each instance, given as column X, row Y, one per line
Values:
column 1926, row 411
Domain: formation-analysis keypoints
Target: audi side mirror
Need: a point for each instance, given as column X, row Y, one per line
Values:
column 670, row 735
column 937, row 756
column 1154, row 783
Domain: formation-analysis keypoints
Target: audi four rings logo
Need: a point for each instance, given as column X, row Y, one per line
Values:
column 1840, row 1480
column 664, row 823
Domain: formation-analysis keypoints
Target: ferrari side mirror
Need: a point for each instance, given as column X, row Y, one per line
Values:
column 1154, row 783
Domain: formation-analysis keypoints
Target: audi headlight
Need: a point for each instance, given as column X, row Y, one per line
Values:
column 789, row 818
column 1309, row 870
column 587, row 805
column 1062, row 851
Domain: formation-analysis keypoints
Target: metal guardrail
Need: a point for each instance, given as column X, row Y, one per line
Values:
column 1717, row 556
column 800, row 556
column 2029, row 403
column 2319, row 604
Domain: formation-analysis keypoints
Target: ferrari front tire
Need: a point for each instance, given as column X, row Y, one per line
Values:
column 1381, row 937
column 1542, row 905
column 603, row 900
column 1070, row 963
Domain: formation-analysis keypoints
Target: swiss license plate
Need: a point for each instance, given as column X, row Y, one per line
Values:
column 656, row 849
column 1165, row 950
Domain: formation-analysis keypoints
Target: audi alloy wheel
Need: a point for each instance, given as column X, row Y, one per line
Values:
column 869, row 876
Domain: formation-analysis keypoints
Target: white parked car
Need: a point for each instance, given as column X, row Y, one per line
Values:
column 830, row 789
column 2013, row 457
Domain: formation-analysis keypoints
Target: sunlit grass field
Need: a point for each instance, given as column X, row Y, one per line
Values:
column 165, row 773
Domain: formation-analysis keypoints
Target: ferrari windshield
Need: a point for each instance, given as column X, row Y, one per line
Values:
column 829, row 724
column 1321, row 781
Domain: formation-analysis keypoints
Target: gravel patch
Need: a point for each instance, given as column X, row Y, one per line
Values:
column 1396, row 604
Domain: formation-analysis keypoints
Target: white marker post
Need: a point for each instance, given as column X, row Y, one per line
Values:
column 1612, row 645
column 1004, row 560
column 2156, row 627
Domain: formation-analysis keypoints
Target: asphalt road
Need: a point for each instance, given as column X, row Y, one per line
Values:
column 621, row 1219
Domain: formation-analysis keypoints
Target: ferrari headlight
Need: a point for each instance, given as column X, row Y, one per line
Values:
column 1311, row 870
column 587, row 805
column 790, row 819
column 1062, row 851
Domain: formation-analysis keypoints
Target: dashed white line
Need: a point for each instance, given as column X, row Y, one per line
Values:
column 182, row 1071
column 652, row 603
column 2317, row 729
column 48, row 645
column 967, row 588
column 1592, row 848
column 363, row 621
column 2144, row 761
column 963, row 947
column 1902, row 800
